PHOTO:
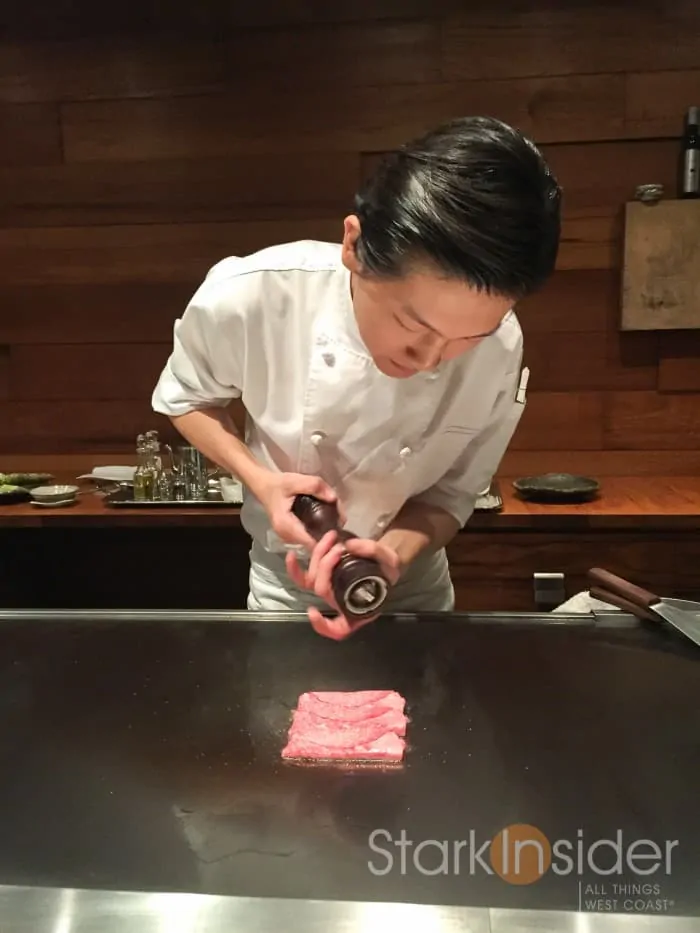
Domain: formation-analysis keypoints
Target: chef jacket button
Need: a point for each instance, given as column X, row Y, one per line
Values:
column 383, row 521
column 405, row 453
column 317, row 437
column 329, row 359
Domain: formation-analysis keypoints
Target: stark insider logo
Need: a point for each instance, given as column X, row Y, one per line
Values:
column 521, row 854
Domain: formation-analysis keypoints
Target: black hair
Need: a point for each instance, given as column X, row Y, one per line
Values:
column 473, row 199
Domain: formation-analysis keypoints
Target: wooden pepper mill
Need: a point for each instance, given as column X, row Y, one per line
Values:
column 359, row 585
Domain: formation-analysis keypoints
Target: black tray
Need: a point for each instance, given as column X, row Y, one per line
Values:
column 123, row 498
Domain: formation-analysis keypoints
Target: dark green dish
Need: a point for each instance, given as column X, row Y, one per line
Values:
column 10, row 494
column 25, row 480
column 557, row 487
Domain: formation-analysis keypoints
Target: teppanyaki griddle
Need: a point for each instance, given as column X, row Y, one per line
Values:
column 144, row 755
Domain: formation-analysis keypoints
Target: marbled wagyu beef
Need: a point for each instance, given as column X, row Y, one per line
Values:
column 364, row 725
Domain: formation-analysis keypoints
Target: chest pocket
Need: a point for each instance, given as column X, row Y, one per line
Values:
column 427, row 465
column 371, row 487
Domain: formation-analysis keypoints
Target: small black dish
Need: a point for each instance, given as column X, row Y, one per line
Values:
column 557, row 487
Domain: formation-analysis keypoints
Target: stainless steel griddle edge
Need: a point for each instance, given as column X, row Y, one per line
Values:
column 46, row 910
column 597, row 618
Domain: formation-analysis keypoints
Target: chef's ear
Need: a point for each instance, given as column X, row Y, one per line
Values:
column 351, row 234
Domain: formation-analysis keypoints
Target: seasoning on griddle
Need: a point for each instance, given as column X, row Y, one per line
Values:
column 690, row 156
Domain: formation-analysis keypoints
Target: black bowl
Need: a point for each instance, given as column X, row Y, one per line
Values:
column 557, row 487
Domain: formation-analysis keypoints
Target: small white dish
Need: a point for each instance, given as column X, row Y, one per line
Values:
column 111, row 474
column 231, row 490
column 54, row 494
column 58, row 504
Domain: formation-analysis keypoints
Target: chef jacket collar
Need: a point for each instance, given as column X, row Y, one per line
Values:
column 340, row 326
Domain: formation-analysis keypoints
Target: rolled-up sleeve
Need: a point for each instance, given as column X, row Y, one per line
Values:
column 205, row 367
column 470, row 475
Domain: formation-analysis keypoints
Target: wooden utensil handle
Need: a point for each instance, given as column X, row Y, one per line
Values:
column 606, row 597
column 625, row 589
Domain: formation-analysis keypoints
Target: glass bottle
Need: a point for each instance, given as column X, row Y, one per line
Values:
column 143, row 477
column 155, row 461
column 690, row 155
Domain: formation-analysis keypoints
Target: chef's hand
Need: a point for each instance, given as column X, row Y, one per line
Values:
column 317, row 578
column 277, row 494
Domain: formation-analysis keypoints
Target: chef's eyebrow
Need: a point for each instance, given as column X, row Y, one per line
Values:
column 416, row 317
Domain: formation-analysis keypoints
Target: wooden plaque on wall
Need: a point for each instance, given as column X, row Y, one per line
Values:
column 661, row 272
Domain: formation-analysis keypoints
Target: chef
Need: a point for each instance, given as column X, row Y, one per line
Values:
column 380, row 373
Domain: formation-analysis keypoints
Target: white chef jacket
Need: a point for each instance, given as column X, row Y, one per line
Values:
column 277, row 329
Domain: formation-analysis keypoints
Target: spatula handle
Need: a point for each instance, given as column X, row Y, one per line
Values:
column 614, row 599
column 613, row 584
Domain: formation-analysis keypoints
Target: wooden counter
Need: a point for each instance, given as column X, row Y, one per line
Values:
column 94, row 556
column 636, row 502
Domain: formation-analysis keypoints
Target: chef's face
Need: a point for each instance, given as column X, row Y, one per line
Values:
column 414, row 323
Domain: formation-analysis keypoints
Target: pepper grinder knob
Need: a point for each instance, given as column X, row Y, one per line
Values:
column 359, row 584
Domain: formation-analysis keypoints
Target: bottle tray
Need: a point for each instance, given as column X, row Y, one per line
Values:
column 124, row 498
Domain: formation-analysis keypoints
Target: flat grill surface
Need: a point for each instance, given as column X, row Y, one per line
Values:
column 145, row 755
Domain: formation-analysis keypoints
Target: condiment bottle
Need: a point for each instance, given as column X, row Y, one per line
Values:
column 690, row 156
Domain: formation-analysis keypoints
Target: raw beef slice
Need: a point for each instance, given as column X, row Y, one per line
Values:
column 310, row 724
column 366, row 725
column 350, row 707
column 388, row 747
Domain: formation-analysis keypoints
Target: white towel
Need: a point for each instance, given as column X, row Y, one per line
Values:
column 584, row 602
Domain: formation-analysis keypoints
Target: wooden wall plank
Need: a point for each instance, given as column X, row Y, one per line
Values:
column 596, row 175
column 557, row 39
column 91, row 313
column 640, row 420
column 605, row 360
column 67, row 18
column 550, row 109
column 679, row 365
column 591, row 240
column 38, row 427
column 90, row 69
column 261, row 187
column 597, row 179
column 30, row 134
column 4, row 372
column 657, row 102
column 599, row 463
column 184, row 252
column 678, row 374
column 561, row 421
column 585, row 301
column 88, row 372
column 118, row 67
column 606, row 174
column 304, row 12
column 147, row 253
column 338, row 56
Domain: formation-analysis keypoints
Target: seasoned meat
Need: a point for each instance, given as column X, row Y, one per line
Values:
column 367, row 725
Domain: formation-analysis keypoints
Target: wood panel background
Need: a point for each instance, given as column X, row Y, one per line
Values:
column 140, row 148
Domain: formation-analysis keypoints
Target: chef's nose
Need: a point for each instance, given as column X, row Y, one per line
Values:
column 429, row 353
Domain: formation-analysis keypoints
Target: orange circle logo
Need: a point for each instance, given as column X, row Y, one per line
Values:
column 521, row 854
